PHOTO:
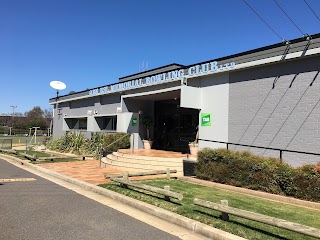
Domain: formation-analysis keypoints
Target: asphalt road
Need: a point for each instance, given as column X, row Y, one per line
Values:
column 44, row 210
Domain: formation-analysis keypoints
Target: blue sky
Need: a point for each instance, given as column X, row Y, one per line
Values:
column 90, row 43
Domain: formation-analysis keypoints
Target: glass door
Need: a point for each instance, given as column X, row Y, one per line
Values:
column 175, row 127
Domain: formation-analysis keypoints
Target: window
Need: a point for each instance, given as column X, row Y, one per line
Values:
column 83, row 123
column 107, row 123
column 77, row 123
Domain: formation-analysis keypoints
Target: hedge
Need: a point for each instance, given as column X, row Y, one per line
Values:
column 244, row 169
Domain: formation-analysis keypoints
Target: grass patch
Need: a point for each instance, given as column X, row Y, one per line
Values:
column 238, row 226
column 56, row 160
column 31, row 152
column 41, row 154
column 21, row 140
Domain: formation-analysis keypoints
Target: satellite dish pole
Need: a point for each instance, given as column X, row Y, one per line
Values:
column 58, row 86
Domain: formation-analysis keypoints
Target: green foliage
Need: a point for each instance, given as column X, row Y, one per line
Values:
column 70, row 142
column 244, row 169
column 36, row 153
column 147, row 123
column 112, row 137
column 46, row 140
column 239, row 226
column 21, row 140
column 56, row 160
column 93, row 146
column 78, row 144
column 307, row 182
column 33, row 118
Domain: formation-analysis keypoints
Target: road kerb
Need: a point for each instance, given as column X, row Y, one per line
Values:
column 192, row 225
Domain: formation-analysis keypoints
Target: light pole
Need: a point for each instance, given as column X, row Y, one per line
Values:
column 13, row 107
column 57, row 85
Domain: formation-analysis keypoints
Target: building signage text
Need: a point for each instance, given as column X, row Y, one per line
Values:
column 197, row 70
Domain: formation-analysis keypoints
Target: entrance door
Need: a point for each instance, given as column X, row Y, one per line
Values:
column 175, row 127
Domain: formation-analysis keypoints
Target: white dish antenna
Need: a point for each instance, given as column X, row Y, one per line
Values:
column 58, row 85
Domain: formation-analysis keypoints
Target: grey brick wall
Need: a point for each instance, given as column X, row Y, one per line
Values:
column 277, row 106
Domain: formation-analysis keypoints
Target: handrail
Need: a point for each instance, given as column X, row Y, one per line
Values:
column 118, row 140
column 187, row 140
column 101, row 149
column 267, row 148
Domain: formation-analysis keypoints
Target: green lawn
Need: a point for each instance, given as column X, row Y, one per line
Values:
column 21, row 140
column 238, row 226
column 42, row 154
column 57, row 160
column 38, row 154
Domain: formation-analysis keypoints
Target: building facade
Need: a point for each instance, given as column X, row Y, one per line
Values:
column 266, row 97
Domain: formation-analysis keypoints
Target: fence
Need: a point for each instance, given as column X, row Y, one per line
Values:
column 260, row 147
column 124, row 181
column 226, row 210
column 6, row 143
column 104, row 151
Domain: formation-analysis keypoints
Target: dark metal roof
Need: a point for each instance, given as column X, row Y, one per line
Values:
column 297, row 40
column 154, row 69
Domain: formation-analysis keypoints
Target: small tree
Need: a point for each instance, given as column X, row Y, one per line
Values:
column 147, row 123
column 35, row 118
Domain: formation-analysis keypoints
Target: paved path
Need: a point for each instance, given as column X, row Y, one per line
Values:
column 88, row 170
column 44, row 210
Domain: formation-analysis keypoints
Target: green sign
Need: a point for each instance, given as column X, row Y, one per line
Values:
column 205, row 119
column 134, row 121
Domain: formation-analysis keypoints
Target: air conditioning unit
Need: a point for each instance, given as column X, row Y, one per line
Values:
column 89, row 112
column 95, row 111
column 119, row 110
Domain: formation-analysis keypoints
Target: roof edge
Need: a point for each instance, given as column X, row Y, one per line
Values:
column 293, row 41
column 180, row 65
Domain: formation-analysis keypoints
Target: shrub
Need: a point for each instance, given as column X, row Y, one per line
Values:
column 110, row 144
column 78, row 144
column 71, row 142
column 93, row 146
column 62, row 144
column 245, row 169
column 147, row 123
column 307, row 181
